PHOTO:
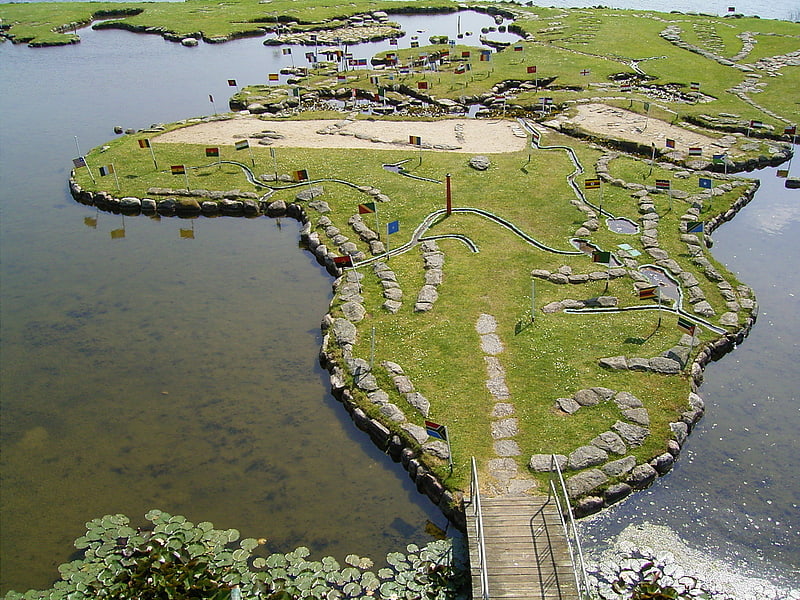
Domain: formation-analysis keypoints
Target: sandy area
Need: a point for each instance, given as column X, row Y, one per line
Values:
column 470, row 135
column 624, row 124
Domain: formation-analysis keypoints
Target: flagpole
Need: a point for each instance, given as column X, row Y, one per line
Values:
column 250, row 151
column 186, row 177
column 372, row 350
column 449, row 450
column 533, row 298
column 91, row 175
column 116, row 179
column 659, row 306
column 153, row 154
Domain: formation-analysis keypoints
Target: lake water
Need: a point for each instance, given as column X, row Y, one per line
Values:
column 160, row 371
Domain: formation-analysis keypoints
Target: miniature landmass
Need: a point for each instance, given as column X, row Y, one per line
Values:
column 537, row 279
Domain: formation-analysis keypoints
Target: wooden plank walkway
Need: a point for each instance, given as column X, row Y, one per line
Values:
column 526, row 550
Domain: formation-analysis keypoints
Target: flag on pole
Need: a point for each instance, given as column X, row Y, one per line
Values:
column 600, row 256
column 718, row 159
column 178, row 169
column 422, row 85
column 393, row 41
column 518, row 48
column 144, row 143
column 783, row 173
column 286, row 51
column 686, row 325
column 648, row 293
column 625, row 87
column 343, row 261
column 662, row 184
column 79, row 162
column 694, row 227
column 731, row 9
column 531, row 69
column 107, row 170
column 646, row 106
column 366, row 208
column 670, row 143
column 211, row 98
column 486, row 55
column 706, row 183
column 695, row 151
column 585, row 72
column 465, row 54
column 231, row 82
column 374, row 79
column 414, row 44
column 694, row 86
column 790, row 130
column 212, row 152
column 273, row 77
column 415, row 140
column 241, row 145
column 460, row 69
column 117, row 233
column 301, row 175
column 310, row 57
column 755, row 123
column 435, row 430
column 393, row 227
column 591, row 184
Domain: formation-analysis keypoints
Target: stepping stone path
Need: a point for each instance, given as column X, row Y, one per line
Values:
column 505, row 478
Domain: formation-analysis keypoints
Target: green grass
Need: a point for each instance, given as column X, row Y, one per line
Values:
column 557, row 354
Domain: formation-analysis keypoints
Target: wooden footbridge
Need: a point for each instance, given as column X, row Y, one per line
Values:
column 524, row 547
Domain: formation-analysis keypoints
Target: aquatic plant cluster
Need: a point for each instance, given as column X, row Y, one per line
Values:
column 175, row 558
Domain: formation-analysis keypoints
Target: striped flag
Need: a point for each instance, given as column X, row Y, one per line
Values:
column 705, row 183
column 460, row 69
column 232, row 82
column 591, row 184
column 404, row 70
column 144, row 143
column 178, row 169
column 532, row 69
column 415, row 140
column 755, row 123
column 286, row 51
column 648, row 293
column 600, row 256
column 310, row 57
column 366, row 208
column 343, row 261
column 694, row 86
column 546, row 100
column 107, row 170
column 486, row 55
column 518, row 48
column 662, row 184
column 393, row 41
column 435, row 430
column 212, row 152
column 695, row 151
column 301, row 175
column 625, row 87
column 393, row 227
column 790, row 130
column 465, row 54
column 79, row 162
column 686, row 325
column 273, row 77
column 415, row 44
column 341, row 77
column 670, row 143
column 241, row 145
column 694, row 227
column 374, row 79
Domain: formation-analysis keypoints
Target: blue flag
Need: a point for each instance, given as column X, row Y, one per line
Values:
column 393, row 227
column 706, row 183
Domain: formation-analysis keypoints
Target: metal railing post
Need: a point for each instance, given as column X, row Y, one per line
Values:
column 475, row 502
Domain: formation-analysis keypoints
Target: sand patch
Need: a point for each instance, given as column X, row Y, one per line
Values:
column 618, row 123
column 469, row 135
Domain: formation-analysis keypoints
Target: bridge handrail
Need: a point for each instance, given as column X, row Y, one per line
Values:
column 570, row 529
column 475, row 505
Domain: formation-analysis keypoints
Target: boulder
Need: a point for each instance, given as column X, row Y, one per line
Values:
column 633, row 435
column 610, row 442
column 617, row 468
column 479, row 163
column 541, row 463
column 583, row 483
column 586, row 456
